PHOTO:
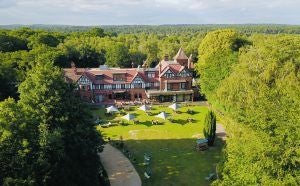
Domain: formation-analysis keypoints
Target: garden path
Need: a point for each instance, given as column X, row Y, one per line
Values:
column 220, row 131
column 119, row 169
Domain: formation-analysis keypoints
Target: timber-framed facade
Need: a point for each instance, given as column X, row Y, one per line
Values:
column 169, row 81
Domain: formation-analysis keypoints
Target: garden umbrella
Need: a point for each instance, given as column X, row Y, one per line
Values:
column 128, row 117
column 162, row 115
column 111, row 109
column 174, row 106
column 144, row 108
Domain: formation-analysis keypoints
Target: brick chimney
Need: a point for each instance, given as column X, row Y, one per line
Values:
column 166, row 57
column 73, row 66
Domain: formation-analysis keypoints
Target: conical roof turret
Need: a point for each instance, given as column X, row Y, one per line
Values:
column 180, row 55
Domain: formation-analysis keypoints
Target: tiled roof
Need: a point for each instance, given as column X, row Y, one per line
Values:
column 108, row 75
column 180, row 54
column 129, row 73
column 164, row 64
column 175, row 68
column 70, row 74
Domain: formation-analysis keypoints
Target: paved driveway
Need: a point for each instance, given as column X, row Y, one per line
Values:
column 119, row 169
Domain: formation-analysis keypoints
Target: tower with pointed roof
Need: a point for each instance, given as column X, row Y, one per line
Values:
column 181, row 58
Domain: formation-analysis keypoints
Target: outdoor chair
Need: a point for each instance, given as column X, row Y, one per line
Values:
column 147, row 158
column 190, row 111
column 190, row 119
column 148, row 172
column 146, row 175
column 210, row 177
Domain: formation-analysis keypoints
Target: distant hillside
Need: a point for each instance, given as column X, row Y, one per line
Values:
column 169, row 29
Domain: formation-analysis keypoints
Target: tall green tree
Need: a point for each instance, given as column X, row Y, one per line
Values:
column 17, row 153
column 10, row 43
column 218, row 52
column 8, row 78
column 83, row 51
column 209, row 129
column 117, row 55
column 150, row 48
column 47, row 138
column 43, row 38
column 262, row 96
column 95, row 32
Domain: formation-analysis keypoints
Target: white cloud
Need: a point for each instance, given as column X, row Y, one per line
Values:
column 148, row 11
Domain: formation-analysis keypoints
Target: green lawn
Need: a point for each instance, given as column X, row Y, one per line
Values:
column 174, row 160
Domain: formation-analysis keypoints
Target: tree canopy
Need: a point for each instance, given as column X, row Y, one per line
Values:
column 47, row 137
column 218, row 52
column 261, row 95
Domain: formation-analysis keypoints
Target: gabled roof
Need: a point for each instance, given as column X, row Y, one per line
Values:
column 73, row 74
column 129, row 74
column 180, row 54
column 166, row 69
column 84, row 76
column 176, row 68
column 182, row 69
column 138, row 75
column 70, row 74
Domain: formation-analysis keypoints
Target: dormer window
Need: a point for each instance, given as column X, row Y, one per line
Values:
column 150, row 74
column 99, row 77
column 119, row 77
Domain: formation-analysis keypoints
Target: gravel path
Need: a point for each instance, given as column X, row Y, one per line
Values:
column 119, row 169
column 220, row 131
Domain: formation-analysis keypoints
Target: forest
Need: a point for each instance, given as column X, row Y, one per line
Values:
column 248, row 73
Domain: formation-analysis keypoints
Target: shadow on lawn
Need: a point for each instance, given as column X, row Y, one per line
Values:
column 174, row 161
column 182, row 121
column 149, row 123
column 192, row 112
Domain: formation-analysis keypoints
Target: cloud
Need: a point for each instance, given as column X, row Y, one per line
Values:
column 97, row 12
column 7, row 3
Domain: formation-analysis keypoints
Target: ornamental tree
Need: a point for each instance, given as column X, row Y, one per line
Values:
column 209, row 129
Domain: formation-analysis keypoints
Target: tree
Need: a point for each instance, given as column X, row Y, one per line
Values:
column 43, row 39
column 261, row 95
column 83, row 52
column 117, row 55
column 150, row 48
column 218, row 52
column 47, row 138
column 10, row 43
column 95, row 32
column 209, row 129
column 8, row 78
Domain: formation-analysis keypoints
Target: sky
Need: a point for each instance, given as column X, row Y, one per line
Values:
column 148, row 12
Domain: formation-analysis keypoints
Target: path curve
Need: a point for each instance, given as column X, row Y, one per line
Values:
column 119, row 169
